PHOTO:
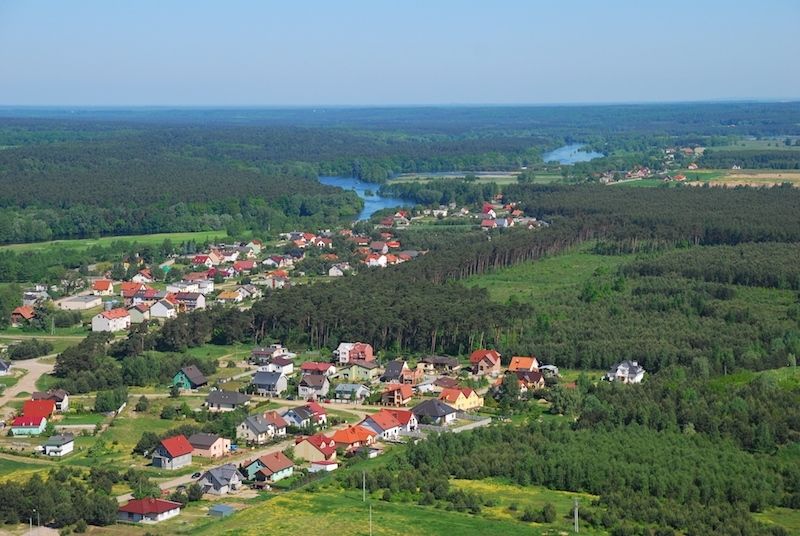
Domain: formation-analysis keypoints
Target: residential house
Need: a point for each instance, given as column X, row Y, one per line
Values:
column 351, row 391
column 103, row 287
column 270, row 383
column 189, row 378
column 189, row 301
column 359, row 371
column 398, row 371
column 278, row 423
column 444, row 382
column 384, row 424
column 263, row 355
column 139, row 313
column 230, row 296
column 519, row 364
column 143, row 276
column 183, row 286
column 530, row 380
column 379, row 247
column 321, row 466
column 315, row 448
column 148, row 510
column 312, row 414
column 353, row 437
column 163, row 310
column 279, row 364
column 250, row 292
column 5, row 368
column 318, row 367
column 376, row 259
column 271, row 467
column 434, row 411
column 209, row 445
column 39, row 408
column 28, row 426
column 407, row 419
column 22, row 315
column 173, row 453
column 111, row 321
column 221, row 480
column 462, row 399
column 485, row 362
column 313, row 386
column 274, row 281
column 397, row 394
column 625, row 372
column 440, row 363
column 218, row 401
column 255, row 429
column 338, row 270
column 348, row 352
column 59, row 397
column 59, row 445
column 246, row 266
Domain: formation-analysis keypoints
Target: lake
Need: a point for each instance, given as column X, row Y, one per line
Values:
column 570, row 154
column 372, row 203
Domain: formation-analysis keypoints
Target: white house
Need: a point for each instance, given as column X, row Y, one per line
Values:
column 80, row 303
column 625, row 372
column 148, row 510
column 113, row 320
column 59, row 445
column 163, row 310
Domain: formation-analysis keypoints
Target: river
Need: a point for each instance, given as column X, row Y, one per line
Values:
column 372, row 203
column 570, row 154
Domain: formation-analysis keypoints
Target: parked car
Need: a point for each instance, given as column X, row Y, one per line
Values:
column 196, row 475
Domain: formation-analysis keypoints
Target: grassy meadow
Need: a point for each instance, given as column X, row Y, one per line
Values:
column 152, row 239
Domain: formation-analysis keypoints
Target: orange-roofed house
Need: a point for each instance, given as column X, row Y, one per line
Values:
column 315, row 448
column 485, row 362
column 462, row 398
column 353, row 438
column 397, row 394
column 114, row 320
column 383, row 423
column 22, row 315
column 229, row 296
column 173, row 453
column 38, row 408
column 406, row 418
column 521, row 364
column 270, row 467
column 103, row 287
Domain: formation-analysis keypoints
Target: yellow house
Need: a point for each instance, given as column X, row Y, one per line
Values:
column 462, row 398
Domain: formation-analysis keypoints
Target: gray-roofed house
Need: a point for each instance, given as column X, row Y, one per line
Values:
column 440, row 363
column 394, row 371
column 351, row 391
column 226, row 400
column 209, row 445
column 189, row 378
column 270, row 383
column 434, row 412
column 256, row 429
column 313, row 386
column 625, row 372
column 59, row 396
column 221, row 480
column 59, row 445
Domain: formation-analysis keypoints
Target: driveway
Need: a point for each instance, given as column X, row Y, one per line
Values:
column 27, row 383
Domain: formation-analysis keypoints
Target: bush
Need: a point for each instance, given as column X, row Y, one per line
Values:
column 81, row 526
column 548, row 513
column 29, row 349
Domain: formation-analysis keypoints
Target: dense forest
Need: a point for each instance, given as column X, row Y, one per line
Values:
column 751, row 159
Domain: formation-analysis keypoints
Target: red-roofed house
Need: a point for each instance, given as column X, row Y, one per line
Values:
column 463, row 398
column 22, row 315
column 318, row 367
column 315, row 448
column 143, row 276
column 148, row 510
column 113, row 320
column 103, row 287
column 519, row 364
column 488, row 224
column 26, row 425
column 384, row 424
column 353, row 438
column 397, row 394
column 38, row 408
column 173, row 453
column 406, row 418
column 244, row 266
column 485, row 362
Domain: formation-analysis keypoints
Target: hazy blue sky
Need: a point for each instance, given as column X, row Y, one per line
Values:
column 171, row 52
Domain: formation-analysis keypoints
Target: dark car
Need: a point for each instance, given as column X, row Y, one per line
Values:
column 196, row 475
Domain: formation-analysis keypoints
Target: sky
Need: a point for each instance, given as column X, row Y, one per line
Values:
column 382, row 52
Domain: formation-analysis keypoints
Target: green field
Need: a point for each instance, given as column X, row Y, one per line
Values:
column 499, row 178
column 14, row 469
column 153, row 239
column 530, row 281
column 776, row 144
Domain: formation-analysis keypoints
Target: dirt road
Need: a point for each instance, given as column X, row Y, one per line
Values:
column 27, row 383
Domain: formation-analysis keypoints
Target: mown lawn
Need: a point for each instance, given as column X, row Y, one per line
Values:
column 153, row 239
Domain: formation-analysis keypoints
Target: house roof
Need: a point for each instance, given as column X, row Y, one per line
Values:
column 403, row 416
column 177, row 445
column 321, row 443
column 522, row 363
column 405, row 390
column 187, row 296
column 202, row 440
column 4, row 365
column 369, row 365
column 353, row 434
column 275, row 461
column 394, row 369
column 102, row 284
column 59, row 440
column 223, row 474
column 275, row 419
column 280, row 361
column 257, row 423
column 228, row 295
column 529, row 376
column 478, row 355
column 226, row 397
column 432, row 408
column 446, row 382
column 25, row 311
column 194, row 375
column 384, row 420
column 26, row 421
column 38, row 408
column 350, row 387
column 53, row 394
column 149, row 506
column 315, row 381
column 444, row 360
column 315, row 366
column 316, row 409
column 119, row 312
column 266, row 378
column 451, row 396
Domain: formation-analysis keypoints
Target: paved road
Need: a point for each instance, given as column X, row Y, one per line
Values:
column 27, row 383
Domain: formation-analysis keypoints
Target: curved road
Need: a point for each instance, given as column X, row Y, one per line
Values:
column 27, row 383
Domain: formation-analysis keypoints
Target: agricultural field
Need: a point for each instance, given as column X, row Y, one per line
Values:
column 152, row 239
column 499, row 177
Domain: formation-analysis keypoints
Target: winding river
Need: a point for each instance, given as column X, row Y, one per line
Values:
column 372, row 203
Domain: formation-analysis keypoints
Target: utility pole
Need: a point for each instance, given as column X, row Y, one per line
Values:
column 575, row 516
column 363, row 486
column 370, row 520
